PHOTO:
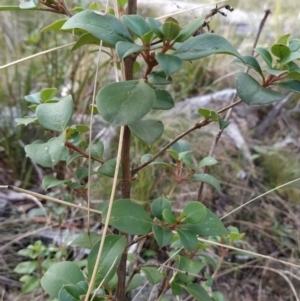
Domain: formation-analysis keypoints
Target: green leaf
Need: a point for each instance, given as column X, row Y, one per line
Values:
column 49, row 182
column 163, row 236
column 156, row 26
column 124, row 49
column 284, row 39
column 291, row 57
column 158, row 206
column 81, row 128
column 176, row 288
column 125, row 102
column 169, row 217
column 33, row 98
column 265, row 54
column 281, row 51
column 26, row 267
column 294, row 44
column 196, row 213
column 48, row 94
column 169, row 63
column 55, row 25
column 97, row 150
column 105, row 27
column 122, row 3
column 188, row 239
column 86, row 240
column 170, row 30
column 205, row 45
column 136, row 24
column 190, row 266
column 108, row 169
column 82, row 173
column 180, row 146
column 86, row 39
column 136, row 281
column 152, row 275
column 208, row 179
column 275, row 72
column 294, row 75
column 114, row 246
column 30, row 283
column 291, row 85
column 159, row 77
column 147, row 130
column 148, row 37
column 69, row 292
column 60, row 274
column 72, row 158
column 47, row 154
column 251, row 92
column 95, row 6
column 163, row 100
column 197, row 291
column 211, row 226
column 55, row 116
column 129, row 217
column 251, row 62
column 207, row 161
column 189, row 30
column 25, row 120
column 218, row 296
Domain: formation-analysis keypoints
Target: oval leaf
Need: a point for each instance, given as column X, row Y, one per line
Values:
column 147, row 130
column 207, row 161
column 55, row 116
column 196, row 213
column 158, row 207
column 152, row 275
column 47, row 154
column 108, row 168
column 159, row 77
column 197, row 291
column 265, row 54
column 86, row 39
column 49, row 182
column 205, row 45
column 170, row 30
column 281, row 51
column 105, row 27
column 189, row 30
column 136, row 24
column 208, row 179
column 211, row 226
column 169, row 63
column 156, row 26
column 190, row 266
column 163, row 100
column 188, row 239
column 126, row 102
column 86, row 240
column 251, row 62
column 291, row 85
column 251, row 92
column 113, row 249
column 163, row 236
column 124, row 49
column 129, row 217
column 58, row 275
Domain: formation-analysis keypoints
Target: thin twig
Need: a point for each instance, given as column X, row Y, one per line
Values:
column 258, row 197
column 35, row 55
column 48, row 198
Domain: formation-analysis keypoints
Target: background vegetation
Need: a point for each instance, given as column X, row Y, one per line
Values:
column 271, row 224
